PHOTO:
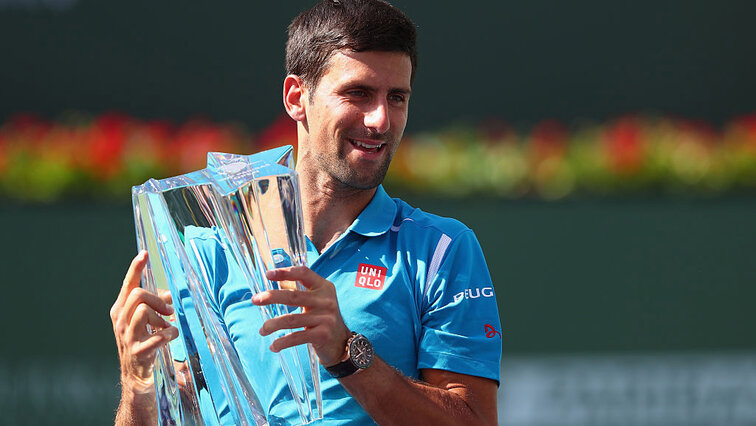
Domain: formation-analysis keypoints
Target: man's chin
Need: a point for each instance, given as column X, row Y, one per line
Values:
column 363, row 182
column 363, row 185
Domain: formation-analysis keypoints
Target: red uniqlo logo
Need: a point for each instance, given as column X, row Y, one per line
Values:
column 369, row 276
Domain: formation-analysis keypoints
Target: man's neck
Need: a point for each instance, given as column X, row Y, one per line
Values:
column 329, row 207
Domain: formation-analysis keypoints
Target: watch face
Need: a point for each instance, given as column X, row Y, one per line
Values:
column 361, row 352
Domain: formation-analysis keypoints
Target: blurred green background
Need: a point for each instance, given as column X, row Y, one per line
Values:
column 522, row 61
column 621, row 309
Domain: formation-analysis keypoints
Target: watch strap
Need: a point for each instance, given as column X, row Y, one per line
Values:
column 342, row 369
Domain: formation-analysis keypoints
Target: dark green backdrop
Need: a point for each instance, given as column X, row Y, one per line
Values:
column 518, row 60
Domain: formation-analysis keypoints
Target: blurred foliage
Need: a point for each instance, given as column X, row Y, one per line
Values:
column 104, row 156
column 631, row 154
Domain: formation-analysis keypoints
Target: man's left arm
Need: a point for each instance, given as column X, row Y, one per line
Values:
column 442, row 397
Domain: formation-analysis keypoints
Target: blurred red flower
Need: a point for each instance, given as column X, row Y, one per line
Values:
column 283, row 131
column 107, row 136
column 623, row 145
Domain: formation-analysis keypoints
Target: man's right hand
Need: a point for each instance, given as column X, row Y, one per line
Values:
column 134, row 309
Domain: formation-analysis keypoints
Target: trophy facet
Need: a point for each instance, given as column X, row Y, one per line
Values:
column 251, row 204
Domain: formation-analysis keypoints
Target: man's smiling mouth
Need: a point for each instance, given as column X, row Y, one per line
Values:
column 369, row 147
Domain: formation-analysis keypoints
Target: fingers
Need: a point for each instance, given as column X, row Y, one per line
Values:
column 142, row 343
column 303, row 274
column 323, row 325
column 143, row 316
column 317, row 285
column 329, row 347
column 130, row 282
column 166, row 296
column 290, row 321
column 141, row 308
column 157, row 339
column 135, row 330
column 303, row 299
column 139, row 327
column 140, row 296
column 142, row 353
column 134, row 274
column 292, row 339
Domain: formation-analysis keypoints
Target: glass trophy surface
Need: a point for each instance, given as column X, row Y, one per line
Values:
column 251, row 203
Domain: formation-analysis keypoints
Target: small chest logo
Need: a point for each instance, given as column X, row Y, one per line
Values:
column 369, row 276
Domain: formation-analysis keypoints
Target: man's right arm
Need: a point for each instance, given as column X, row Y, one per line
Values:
column 132, row 311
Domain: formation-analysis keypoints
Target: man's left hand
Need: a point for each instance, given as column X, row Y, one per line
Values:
column 321, row 319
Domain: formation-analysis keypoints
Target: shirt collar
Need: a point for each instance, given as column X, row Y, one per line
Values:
column 377, row 217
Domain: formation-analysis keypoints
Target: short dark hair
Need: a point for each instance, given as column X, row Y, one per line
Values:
column 357, row 25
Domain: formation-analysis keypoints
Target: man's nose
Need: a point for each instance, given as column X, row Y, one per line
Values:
column 377, row 117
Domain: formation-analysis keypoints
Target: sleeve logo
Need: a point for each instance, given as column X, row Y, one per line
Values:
column 369, row 276
column 474, row 293
column 491, row 332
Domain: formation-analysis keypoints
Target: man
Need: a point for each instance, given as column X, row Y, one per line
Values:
column 413, row 284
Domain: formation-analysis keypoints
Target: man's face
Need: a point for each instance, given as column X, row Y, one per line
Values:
column 355, row 116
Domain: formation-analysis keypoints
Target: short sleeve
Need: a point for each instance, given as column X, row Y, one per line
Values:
column 460, row 327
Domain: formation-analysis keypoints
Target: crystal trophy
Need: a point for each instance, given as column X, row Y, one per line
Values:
column 252, row 204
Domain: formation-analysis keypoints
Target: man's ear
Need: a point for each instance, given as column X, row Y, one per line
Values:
column 294, row 97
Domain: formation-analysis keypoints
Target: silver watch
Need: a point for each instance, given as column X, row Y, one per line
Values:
column 359, row 357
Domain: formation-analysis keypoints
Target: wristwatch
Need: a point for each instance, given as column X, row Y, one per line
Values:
column 359, row 356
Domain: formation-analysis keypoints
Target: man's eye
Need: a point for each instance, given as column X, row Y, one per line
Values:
column 357, row 93
column 398, row 99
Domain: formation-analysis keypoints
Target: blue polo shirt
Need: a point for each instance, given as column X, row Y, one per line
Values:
column 415, row 284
